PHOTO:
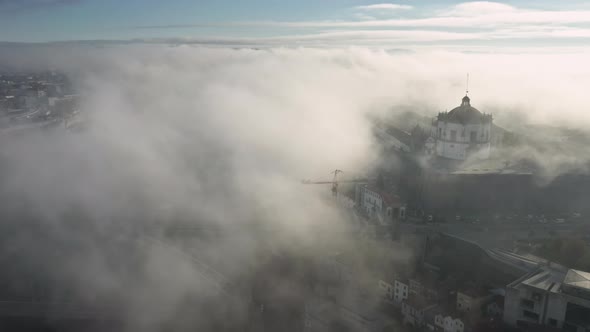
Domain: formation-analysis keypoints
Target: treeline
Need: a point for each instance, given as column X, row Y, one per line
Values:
column 571, row 252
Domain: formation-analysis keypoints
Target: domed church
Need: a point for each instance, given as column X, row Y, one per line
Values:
column 462, row 132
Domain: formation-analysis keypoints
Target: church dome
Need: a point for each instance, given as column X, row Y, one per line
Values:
column 465, row 113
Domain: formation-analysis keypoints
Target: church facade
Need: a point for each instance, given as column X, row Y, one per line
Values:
column 462, row 132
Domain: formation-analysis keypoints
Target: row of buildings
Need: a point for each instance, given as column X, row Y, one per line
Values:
column 434, row 306
column 381, row 210
column 496, row 290
column 27, row 98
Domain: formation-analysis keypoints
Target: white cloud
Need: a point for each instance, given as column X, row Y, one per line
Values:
column 478, row 8
column 476, row 22
column 489, row 21
column 384, row 6
column 479, row 20
column 378, row 36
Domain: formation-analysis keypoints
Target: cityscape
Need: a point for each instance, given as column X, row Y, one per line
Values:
column 296, row 167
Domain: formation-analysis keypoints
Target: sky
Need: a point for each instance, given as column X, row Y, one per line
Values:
column 472, row 25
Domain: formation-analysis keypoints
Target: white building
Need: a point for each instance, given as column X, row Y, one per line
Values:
column 377, row 204
column 396, row 293
column 462, row 132
column 550, row 296
column 449, row 324
column 400, row 292
column 385, row 289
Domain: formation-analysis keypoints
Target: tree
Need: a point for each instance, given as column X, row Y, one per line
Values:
column 571, row 251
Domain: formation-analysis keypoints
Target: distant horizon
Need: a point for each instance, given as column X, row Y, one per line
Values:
column 401, row 24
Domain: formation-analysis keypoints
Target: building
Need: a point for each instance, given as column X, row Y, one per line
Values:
column 496, row 307
column 426, row 288
column 396, row 293
column 385, row 289
column 401, row 291
column 462, row 132
column 448, row 323
column 383, row 211
column 414, row 311
column 472, row 300
column 416, row 287
column 552, row 297
column 380, row 205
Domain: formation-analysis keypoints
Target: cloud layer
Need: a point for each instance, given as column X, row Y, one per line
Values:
column 479, row 23
column 219, row 136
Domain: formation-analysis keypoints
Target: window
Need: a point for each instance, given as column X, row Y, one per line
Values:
column 530, row 314
column 552, row 322
column 473, row 136
column 439, row 132
column 453, row 135
column 527, row 303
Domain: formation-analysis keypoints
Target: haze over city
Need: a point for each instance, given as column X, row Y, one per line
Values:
column 294, row 165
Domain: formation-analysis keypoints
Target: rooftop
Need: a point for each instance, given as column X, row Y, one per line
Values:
column 577, row 279
column 548, row 279
column 475, row 292
column 489, row 171
column 465, row 113
column 419, row 303
column 526, row 263
column 389, row 199
column 494, row 166
column 558, row 279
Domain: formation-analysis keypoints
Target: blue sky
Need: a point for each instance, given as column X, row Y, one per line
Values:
column 330, row 22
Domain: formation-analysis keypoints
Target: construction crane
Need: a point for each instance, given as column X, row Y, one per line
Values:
column 334, row 181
